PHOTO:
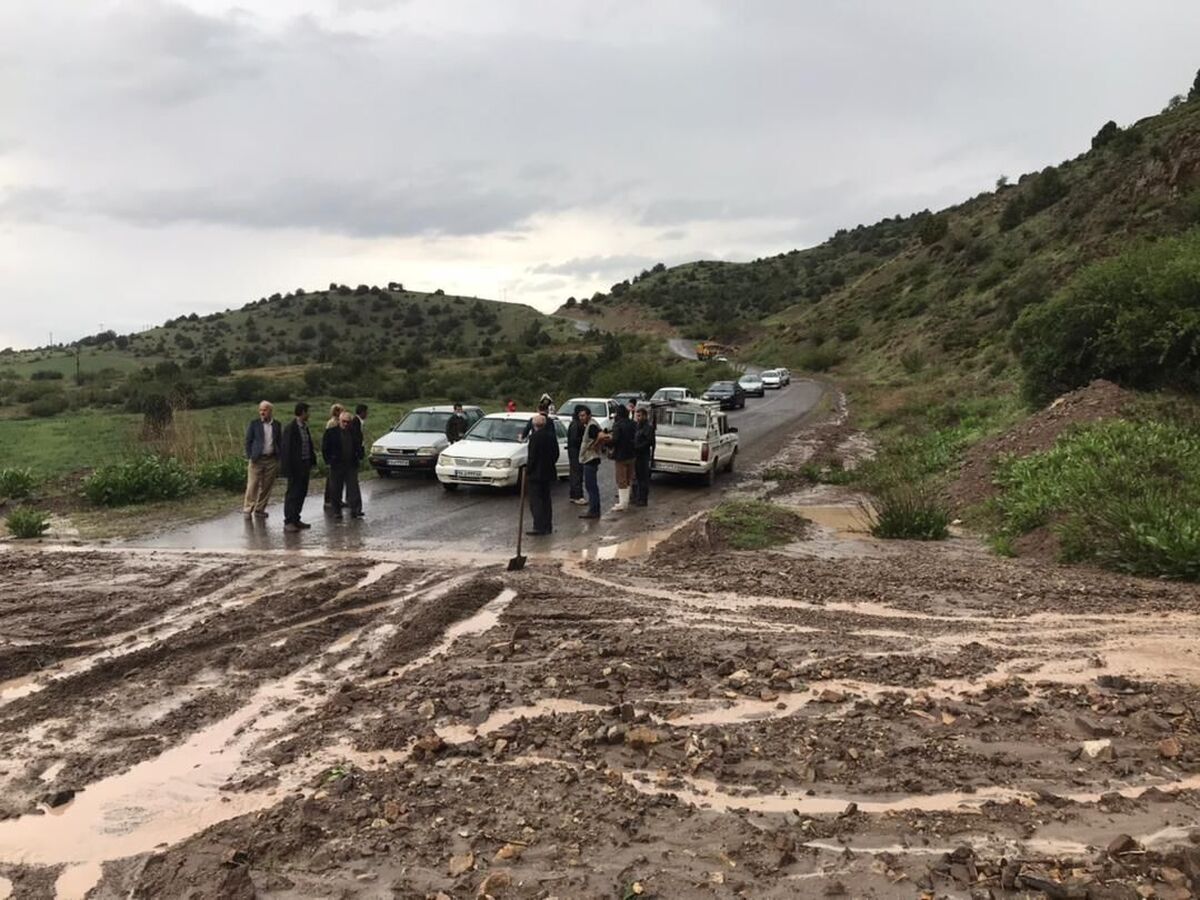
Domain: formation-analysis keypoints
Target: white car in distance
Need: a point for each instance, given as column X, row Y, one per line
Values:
column 772, row 379
column 603, row 410
column 493, row 452
column 664, row 394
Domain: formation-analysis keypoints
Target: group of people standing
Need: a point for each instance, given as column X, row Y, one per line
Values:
column 289, row 450
column 629, row 444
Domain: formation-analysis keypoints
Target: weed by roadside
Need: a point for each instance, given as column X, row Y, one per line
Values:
column 908, row 511
column 1125, row 494
column 16, row 484
column 25, row 523
column 228, row 473
column 755, row 524
column 138, row 480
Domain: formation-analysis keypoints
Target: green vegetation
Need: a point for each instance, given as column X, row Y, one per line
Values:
column 755, row 524
column 139, row 480
column 904, row 510
column 1121, row 493
column 1133, row 319
column 25, row 523
column 16, row 484
column 227, row 474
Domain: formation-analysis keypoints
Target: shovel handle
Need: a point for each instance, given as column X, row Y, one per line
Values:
column 521, row 514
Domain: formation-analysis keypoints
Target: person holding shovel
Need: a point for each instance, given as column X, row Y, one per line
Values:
column 541, row 471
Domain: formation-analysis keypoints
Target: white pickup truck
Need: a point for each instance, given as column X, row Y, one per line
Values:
column 693, row 437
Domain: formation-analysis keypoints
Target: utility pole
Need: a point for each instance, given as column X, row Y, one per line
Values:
column 78, row 377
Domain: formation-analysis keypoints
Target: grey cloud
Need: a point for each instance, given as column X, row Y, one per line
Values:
column 596, row 266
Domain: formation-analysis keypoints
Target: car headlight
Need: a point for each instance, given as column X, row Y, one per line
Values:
column 378, row 449
column 447, row 460
column 499, row 464
column 427, row 451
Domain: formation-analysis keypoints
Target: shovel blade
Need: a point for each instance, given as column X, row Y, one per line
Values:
column 516, row 564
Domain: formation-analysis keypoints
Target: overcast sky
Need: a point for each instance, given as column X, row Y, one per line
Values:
column 159, row 157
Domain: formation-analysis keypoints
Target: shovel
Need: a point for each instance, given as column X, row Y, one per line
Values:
column 517, row 563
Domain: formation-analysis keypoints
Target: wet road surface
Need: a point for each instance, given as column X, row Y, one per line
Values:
column 415, row 512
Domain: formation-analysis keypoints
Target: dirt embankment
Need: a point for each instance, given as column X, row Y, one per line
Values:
column 1099, row 400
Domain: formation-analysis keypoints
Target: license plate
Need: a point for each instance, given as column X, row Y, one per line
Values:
column 398, row 462
column 468, row 473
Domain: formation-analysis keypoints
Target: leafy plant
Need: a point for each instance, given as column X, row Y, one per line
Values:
column 908, row 510
column 16, row 484
column 25, row 523
column 228, row 473
column 139, row 480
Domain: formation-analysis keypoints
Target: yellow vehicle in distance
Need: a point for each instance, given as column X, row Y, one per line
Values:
column 714, row 349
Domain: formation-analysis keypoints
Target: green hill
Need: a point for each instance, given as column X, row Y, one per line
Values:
column 933, row 295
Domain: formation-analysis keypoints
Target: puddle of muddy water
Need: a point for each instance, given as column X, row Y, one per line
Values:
column 484, row 620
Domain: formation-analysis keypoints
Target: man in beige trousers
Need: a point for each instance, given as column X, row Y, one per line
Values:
column 263, row 436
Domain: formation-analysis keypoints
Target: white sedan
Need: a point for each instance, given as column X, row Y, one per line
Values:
column 494, row 452
column 772, row 379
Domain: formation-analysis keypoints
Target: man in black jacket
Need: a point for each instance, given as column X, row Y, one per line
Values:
column 263, row 439
column 643, row 447
column 541, row 469
column 574, row 442
column 456, row 425
column 296, row 463
column 343, row 451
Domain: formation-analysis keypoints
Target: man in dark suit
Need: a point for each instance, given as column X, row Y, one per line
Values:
column 263, row 439
column 358, row 426
column 343, row 452
column 541, row 469
column 296, row 463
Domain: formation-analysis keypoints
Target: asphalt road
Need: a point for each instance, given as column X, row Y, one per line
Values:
column 416, row 513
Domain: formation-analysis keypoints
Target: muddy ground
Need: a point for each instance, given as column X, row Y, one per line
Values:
column 839, row 718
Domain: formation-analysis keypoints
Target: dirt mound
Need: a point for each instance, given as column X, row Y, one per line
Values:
column 1099, row 400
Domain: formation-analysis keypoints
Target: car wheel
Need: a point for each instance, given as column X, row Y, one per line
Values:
column 710, row 477
column 732, row 460
column 449, row 486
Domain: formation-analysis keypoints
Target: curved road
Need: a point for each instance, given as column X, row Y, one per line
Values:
column 415, row 513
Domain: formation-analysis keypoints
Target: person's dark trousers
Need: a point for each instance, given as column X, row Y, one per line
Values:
column 576, row 470
column 344, row 482
column 641, row 484
column 293, row 500
column 592, row 483
column 333, row 496
column 540, row 506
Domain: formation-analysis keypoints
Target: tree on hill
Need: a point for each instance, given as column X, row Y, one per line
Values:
column 1194, row 93
column 219, row 364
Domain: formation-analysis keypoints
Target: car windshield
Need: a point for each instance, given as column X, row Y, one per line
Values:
column 770, row 374
column 424, row 421
column 504, row 430
column 720, row 387
column 748, row 379
column 680, row 421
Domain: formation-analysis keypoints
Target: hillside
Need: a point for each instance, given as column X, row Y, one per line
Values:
column 935, row 294
column 368, row 341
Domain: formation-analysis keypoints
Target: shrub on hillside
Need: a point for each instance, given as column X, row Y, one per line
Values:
column 48, row 405
column 1134, row 320
column 139, row 480
column 26, row 523
column 1124, row 494
column 46, row 375
column 16, row 484
column 818, row 359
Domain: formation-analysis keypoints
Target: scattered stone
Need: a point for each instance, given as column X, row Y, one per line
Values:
column 1101, row 749
column 738, row 679
column 460, row 863
column 1122, row 843
column 510, row 851
column 641, row 738
column 1169, row 748
column 496, row 884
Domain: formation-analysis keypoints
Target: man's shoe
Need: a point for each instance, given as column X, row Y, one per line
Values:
column 579, row 501
column 303, row 525
column 291, row 527
column 534, row 533
column 358, row 515
column 261, row 513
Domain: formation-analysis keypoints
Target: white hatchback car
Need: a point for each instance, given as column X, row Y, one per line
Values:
column 772, row 379
column 493, row 452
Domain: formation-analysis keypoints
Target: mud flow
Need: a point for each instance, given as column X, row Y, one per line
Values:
column 838, row 718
